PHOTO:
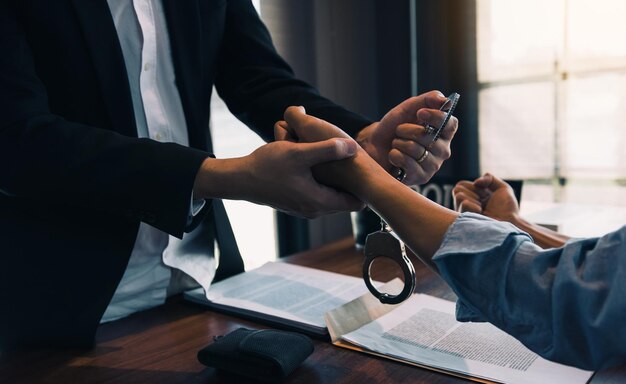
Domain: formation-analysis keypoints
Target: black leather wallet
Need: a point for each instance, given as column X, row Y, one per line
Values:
column 266, row 355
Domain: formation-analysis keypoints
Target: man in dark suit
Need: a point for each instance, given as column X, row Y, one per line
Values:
column 105, row 147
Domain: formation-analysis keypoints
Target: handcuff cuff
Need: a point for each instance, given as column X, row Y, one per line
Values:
column 386, row 243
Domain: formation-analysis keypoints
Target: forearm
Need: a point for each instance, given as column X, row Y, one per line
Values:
column 78, row 166
column 219, row 178
column 542, row 236
column 421, row 223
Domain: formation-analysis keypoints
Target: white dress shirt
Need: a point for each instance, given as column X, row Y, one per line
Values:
column 142, row 32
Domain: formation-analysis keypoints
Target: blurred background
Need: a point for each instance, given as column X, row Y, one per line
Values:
column 543, row 85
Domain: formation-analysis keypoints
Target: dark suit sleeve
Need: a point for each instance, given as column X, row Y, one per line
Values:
column 257, row 84
column 46, row 159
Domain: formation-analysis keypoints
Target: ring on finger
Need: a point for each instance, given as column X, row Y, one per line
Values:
column 423, row 157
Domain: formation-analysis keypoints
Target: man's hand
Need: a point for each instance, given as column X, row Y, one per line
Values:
column 419, row 221
column 279, row 175
column 399, row 139
column 487, row 195
column 303, row 128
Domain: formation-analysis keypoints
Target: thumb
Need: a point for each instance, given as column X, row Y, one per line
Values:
column 282, row 132
column 406, row 111
column 295, row 117
column 327, row 150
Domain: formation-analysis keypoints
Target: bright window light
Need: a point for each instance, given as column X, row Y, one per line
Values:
column 552, row 78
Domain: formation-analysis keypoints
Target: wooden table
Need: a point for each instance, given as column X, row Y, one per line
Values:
column 160, row 345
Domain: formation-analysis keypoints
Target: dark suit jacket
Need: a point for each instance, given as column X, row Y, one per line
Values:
column 75, row 182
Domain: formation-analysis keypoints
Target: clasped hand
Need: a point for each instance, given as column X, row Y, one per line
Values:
column 399, row 139
column 487, row 195
column 280, row 174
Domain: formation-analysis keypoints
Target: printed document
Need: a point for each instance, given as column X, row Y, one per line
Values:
column 283, row 293
column 423, row 330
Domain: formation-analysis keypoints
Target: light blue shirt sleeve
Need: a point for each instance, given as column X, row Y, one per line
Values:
column 566, row 304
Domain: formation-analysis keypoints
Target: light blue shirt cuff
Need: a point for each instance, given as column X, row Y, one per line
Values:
column 461, row 237
column 566, row 304
column 460, row 241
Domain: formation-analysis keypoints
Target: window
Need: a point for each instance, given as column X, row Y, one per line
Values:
column 252, row 224
column 552, row 78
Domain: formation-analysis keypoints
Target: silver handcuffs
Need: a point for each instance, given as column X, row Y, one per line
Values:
column 385, row 243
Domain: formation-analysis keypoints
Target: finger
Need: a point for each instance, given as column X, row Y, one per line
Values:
column 408, row 147
column 437, row 153
column 490, row 182
column 450, row 129
column 465, row 183
column 470, row 193
column 299, row 122
column 432, row 117
column 407, row 110
column 413, row 132
column 417, row 133
column 295, row 117
column 294, row 112
column 479, row 194
column 435, row 118
column 310, row 128
column 440, row 148
column 434, row 99
column 324, row 151
column 415, row 173
column 461, row 198
column 469, row 206
column 282, row 133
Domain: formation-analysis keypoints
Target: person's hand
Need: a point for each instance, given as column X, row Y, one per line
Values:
column 399, row 139
column 285, row 168
column 303, row 128
column 487, row 195
column 279, row 175
column 419, row 221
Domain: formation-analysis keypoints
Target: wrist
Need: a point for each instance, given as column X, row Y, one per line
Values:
column 220, row 178
column 542, row 236
column 370, row 179
column 517, row 220
column 356, row 175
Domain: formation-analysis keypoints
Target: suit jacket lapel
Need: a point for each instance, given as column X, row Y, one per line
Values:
column 184, row 31
column 101, row 37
